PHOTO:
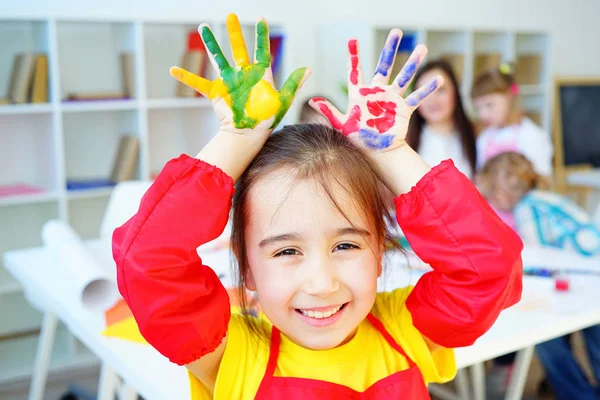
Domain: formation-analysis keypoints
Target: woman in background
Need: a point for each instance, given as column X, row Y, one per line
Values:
column 440, row 128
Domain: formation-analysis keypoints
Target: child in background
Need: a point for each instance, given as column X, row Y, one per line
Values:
column 308, row 233
column 495, row 99
column 440, row 129
column 541, row 217
column 544, row 218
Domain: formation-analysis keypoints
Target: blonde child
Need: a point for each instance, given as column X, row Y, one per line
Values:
column 543, row 218
column 495, row 97
column 308, row 233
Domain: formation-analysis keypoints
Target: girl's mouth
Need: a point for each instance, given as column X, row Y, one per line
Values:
column 321, row 316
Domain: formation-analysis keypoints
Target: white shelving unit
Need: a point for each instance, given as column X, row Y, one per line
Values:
column 45, row 145
column 467, row 44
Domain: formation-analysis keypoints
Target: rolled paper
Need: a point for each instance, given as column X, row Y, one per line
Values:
column 84, row 279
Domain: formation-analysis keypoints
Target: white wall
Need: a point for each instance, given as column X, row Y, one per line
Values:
column 573, row 24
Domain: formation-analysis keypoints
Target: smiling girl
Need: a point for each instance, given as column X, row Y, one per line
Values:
column 309, row 234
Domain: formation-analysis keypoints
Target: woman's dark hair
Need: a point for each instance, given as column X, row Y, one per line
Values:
column 319, row 152
column 462, row 123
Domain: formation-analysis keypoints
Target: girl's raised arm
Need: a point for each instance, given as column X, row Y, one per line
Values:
column 180, row 306
column 476, row 258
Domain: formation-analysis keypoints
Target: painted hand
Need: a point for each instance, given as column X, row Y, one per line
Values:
column 378, row 114
column 243, row 96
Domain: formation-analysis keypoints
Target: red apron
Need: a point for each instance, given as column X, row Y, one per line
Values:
column 406, row 384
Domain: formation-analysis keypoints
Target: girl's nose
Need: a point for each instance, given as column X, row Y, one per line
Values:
column 321, row 278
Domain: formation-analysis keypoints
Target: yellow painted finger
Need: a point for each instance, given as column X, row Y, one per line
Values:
column 201, row 85
column 236, row 38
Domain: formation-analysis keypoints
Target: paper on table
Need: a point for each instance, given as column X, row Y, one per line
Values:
column 86, row 281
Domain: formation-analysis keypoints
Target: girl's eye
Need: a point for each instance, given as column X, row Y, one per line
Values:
column 346, row 246
column 287, row 252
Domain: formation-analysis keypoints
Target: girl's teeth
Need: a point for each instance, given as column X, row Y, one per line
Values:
column 319, row 314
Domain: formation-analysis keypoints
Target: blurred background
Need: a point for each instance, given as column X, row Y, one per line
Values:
column 87, row 102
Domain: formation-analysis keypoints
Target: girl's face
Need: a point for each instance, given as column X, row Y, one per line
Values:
column 493, row 109
column 440, row 105
column 314, row 272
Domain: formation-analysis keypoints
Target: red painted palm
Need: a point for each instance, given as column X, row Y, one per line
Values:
column 378, row 114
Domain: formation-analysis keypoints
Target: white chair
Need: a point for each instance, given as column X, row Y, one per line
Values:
column 122, row 205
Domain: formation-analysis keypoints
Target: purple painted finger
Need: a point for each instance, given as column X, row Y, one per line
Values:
column 421, row 94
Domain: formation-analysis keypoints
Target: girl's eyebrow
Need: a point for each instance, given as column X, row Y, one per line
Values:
column 286, row 237
column 351, row 231
column 278, row 238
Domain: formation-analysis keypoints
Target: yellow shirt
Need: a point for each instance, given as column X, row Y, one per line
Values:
column 364, row 360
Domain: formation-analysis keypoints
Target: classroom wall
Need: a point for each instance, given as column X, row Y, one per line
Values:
column 573, row 25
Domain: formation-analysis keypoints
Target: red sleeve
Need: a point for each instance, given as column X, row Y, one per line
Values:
column 179, row 304
column 476, row 258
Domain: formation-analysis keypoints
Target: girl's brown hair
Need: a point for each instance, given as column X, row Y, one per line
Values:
column 512, row 172
column 462, row 123
column 312, row 151
column 492, row 81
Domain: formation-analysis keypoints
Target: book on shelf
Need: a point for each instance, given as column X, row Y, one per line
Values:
column 276, row 46
column 124, row 164
column 39, row 86
column 457, row 62
column 82, row 184
column 94, row 96
column 28, row 81
column 123, row 167
column 128, row 73
column 18, row 189
column 486, row 61
column 127, row 62
column 194, row 60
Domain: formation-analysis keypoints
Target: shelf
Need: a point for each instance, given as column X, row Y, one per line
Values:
column 17, row 36
column 17, row 357
column 164, row 47
column 172, row 132
column 451, row 46
column 81, row 194
column 85, row 215
column 16, row 109
column 91, row 141
column 89, row 55
column 199, row 102
column 23, row 224
column 27, row 152
column 529, row 90
column 98, row 105
column 35, row 198
column 17, row 314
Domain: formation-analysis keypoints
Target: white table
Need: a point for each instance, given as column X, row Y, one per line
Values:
column 542, row 315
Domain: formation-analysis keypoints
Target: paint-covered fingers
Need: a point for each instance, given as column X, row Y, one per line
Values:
column 262, row 53
column 419, row 95
column 288, row 92
column 329, row 111
column 215, row 54
column 354, row 70
column 236, row 38
column 386, row 60
column 294, row 82
column 406, row 75
column 199, row 84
